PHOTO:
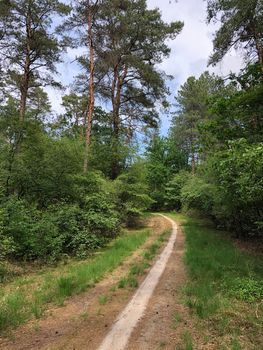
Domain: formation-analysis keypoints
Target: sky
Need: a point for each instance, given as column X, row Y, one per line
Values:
column 189, row 51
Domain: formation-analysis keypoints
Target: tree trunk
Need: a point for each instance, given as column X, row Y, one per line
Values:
column 193, row 164
column 91, row 99
column 116, row 101
column 260, row 54
column 26, row 75
column 258, row 43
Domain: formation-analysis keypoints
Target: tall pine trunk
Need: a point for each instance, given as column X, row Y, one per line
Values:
column 91, row 98
column 116, row 102
column 260, row 54
column 26, row 75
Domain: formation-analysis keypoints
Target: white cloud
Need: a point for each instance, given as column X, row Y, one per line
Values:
column 191, row 49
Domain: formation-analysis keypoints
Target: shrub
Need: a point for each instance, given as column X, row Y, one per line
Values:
column 229, row 188
column 6, row 243
column 173, row 195
column 17, row 226
column 198, row 194
column 85, row 242
column 132, row 193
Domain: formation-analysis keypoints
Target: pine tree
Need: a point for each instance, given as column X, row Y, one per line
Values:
column 193, row 109
column 82, row 23
column 130, row 43
column 29, row 45
column 241, row 27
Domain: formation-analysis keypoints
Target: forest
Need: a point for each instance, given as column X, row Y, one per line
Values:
column 70, row 181
column 74, row 181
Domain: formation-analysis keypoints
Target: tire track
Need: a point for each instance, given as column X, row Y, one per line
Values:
column 120, row 332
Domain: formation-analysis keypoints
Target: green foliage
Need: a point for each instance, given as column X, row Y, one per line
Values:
column 238, row 176
column 6, row 243
column 241, row 27
column 237, row 112
column 133, row 193
column 64, row 228
column 173, row 190
column 247, row 289
column 192, row 112
column 164, row 160
column 30, row 43
column 226, row 184
column 197, row 194
column 228, row 188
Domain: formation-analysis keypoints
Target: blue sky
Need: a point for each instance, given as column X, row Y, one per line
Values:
column 189, row 51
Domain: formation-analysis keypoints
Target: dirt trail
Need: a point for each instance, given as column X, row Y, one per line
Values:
column 119, row 335
column 166, row 319
column 83, row 322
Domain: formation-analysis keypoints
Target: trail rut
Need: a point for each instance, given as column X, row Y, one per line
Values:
column 119, row 335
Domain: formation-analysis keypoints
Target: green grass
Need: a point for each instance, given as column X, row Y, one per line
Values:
column 186, row 342
column 225, row 287
column 23, row 301
column 177, row 319
column 139, row 268
column 129, row 281
column 103, row 299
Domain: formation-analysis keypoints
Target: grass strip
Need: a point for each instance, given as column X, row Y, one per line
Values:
column 225, row 287
column 139, row 268
column 28, row 301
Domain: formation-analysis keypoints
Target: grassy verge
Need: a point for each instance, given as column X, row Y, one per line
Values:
column 28, row 297
column 140, row 267
column 225, row 288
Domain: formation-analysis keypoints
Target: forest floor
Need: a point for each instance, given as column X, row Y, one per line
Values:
column 177, row 317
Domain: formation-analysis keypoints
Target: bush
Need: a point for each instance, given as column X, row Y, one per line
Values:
column 6, row 243
column 73, row 226
column 229, row 189
column 198, row 194
column 173, row 195
column 29, row 233
column 132, row 193
column 17, row 224
column 85, row 242
column 238, row 177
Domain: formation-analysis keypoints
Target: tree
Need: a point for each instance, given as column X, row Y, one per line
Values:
column 241, row 27
column 82, row 23
column 29, row 46
column 193, row 109
column 164, row 160
column 133, row 193
column 73, row 120
column 129, row 40
column 5, row 7
column 237, row 112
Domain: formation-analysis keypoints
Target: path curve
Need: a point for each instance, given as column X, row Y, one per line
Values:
column 120, row 332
